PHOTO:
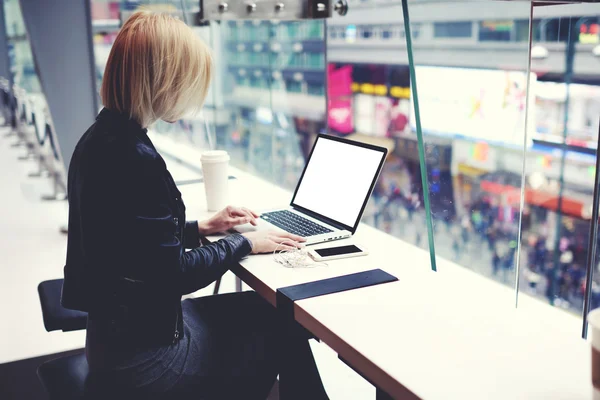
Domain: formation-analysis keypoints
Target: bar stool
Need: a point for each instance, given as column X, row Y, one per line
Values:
column 63, row 378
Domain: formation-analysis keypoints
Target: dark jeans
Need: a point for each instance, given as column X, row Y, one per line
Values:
column 234, row 347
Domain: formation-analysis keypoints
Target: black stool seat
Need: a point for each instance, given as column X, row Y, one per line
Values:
column 68, row 378
column 64, row 378
column 55, row 315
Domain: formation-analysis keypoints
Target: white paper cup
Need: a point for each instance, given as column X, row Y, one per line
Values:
column 594, row 324
column 215, row 168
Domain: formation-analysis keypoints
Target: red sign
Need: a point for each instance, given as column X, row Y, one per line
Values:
column 339, row 89
column 340, row 115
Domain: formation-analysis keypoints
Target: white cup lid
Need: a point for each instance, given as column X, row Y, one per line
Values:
column 214, row 156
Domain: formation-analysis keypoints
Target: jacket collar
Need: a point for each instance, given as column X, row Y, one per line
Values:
column 121, row 119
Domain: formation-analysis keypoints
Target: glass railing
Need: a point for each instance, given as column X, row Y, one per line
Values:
column 472, row 110
column 520, row 125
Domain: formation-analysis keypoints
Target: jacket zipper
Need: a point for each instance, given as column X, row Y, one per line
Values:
column 179, row 233
column 176, row 335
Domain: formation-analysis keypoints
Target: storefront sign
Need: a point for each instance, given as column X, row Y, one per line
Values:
column 340, row 115
column 480, row 151
column 544, row 161
column 479, row 155
column 487, row 105
column 497, row 26
column 400, row 92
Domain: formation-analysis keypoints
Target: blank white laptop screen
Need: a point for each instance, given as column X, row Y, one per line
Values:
column 337, row 180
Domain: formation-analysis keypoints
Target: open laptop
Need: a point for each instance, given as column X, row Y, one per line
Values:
column 332, row 192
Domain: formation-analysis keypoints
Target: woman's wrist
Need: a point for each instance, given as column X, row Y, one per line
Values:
column 244, row 246
column 205, row 228
column 249, row 242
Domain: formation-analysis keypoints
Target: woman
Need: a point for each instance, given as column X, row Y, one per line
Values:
column 126, row 263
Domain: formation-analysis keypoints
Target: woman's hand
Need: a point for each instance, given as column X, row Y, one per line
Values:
column 226, row 219
column 269, row 241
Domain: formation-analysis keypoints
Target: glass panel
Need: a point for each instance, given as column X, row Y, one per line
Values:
column 369, row 100
column 300, row 107
column 246, row 65
column 277, row 95
column 472, row 100
column 479, row 121
column 560, row 172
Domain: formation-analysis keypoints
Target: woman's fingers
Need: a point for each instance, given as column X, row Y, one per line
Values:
column 286, row 240
column 250, row 214
column 255, row 215
column 237, row 212
column 288, row 235
column 243, row 213
column 240, row 221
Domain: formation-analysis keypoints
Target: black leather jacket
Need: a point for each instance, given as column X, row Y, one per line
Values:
column 126, row 262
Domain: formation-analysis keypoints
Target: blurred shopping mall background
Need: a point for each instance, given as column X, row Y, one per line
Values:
column 281, row 83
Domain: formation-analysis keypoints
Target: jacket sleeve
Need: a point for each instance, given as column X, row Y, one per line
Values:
column 192, row 235
column 204, row 265
column 157, row 252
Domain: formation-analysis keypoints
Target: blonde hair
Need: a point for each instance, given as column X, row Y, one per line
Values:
column 158, row 68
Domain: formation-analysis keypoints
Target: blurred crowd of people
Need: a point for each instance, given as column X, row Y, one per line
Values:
column 482, row 238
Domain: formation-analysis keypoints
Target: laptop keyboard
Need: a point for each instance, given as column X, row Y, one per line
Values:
column 293, row 223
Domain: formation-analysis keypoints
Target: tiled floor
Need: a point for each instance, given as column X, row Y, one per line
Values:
column 32, row 250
